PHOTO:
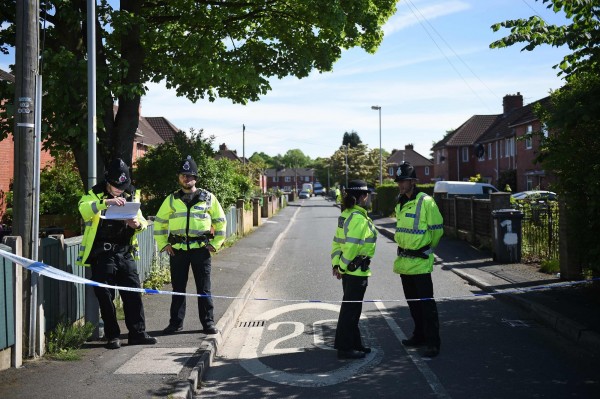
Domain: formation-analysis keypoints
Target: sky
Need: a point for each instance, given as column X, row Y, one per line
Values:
column 433, row 71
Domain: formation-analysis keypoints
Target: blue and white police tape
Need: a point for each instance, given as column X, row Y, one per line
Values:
column 57, row 274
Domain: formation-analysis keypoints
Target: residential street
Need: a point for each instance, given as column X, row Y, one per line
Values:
column 283, row 347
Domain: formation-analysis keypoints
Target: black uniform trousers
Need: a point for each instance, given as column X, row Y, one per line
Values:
column 347, row 334
column 118, row 268
column 199, row 259
column 424, row 313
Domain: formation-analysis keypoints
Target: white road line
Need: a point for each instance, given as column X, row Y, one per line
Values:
column 421, row 365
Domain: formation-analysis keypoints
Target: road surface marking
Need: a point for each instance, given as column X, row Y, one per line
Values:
column 417, row 360
column 249, row 358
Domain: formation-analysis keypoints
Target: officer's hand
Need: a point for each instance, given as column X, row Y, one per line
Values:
column 119, row 201
column 336, row 273
column 210, row 248
column 134, row 224
column 169, row 249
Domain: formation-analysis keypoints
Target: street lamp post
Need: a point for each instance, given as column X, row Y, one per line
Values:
column 347, row 145
column 378, row 108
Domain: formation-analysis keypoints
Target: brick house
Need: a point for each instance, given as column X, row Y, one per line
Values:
column 504, row 148
column 491, row 145
column 289, row 179
column 423, row 167
column 232, row 155
column 453, row 154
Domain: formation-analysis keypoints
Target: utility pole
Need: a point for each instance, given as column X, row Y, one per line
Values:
column 26, row 69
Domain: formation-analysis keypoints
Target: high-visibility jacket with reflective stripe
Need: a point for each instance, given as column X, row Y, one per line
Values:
column 418, row 223
column 91, row 206
column 176, row 219
column 355, row 236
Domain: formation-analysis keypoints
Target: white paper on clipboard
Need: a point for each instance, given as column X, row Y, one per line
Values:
column 127, row 211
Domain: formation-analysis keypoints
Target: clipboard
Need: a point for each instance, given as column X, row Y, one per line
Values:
column 127, row 211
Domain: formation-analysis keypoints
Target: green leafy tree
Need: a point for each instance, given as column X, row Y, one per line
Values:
column 321, row 165
column 295, row 159
column 352, row 139
column 260, row 159
column 360, row 164
column 582, row 35
column 202, row 49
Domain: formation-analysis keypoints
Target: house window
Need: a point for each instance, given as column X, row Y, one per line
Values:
column 489, row 150
column 509, row 147
column 465, row 154
column 391, row 171
column 276, row 179
column 528, row 137
column 288, row 179
column 529, row 183
column 426, row 170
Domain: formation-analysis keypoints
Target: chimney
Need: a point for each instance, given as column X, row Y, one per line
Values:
column 511, row 102
column 222, row 147
column 408, row 147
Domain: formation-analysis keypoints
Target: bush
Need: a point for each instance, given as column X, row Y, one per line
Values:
column 60, row 187
column 66, row 339
column 158, row 277
column 551, row 266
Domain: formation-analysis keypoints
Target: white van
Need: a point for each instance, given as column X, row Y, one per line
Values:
column 463, row 189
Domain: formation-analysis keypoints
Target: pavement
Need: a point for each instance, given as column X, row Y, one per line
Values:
column 174, row 367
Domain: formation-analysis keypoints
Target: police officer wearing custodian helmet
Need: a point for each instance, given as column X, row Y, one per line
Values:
column 189, row 225
column 419, row 228
column 109, row 247
column 351, row 252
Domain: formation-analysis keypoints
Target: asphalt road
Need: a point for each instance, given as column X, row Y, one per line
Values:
column 282, row 344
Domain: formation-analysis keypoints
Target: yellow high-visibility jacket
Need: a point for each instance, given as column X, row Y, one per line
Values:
column 355, row 236
column 175, row 219
column 90, row 206
column 338, row 196
column 419, row 224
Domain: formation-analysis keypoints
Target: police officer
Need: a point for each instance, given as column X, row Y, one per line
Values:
column 189, row 225
column 351, row 252
column 419, row 228
column 338, row 196
column 109, row 247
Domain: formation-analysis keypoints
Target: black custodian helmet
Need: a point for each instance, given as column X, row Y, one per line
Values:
column 117, row 174
column 188, row 167
column 357, row 187
column 405, row 172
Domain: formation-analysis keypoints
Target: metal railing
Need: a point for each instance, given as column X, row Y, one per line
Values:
column 540, row 235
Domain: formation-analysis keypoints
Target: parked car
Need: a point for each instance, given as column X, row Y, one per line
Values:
column 535, row 195
column 463, row 189
column 304, row 194
column 319, row 190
